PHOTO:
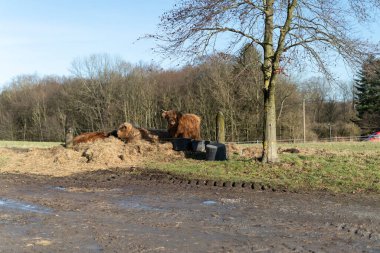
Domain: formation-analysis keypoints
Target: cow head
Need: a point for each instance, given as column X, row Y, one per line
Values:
column 124, row 130
column 171, row 116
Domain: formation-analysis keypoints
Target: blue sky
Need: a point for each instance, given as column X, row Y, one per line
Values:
column 44, row 36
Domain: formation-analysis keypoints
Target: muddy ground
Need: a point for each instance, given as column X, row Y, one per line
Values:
column 115, row 211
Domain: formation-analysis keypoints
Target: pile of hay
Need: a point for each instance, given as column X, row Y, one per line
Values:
column 102, row 154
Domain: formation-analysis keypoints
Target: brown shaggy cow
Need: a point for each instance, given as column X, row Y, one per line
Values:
column 128, row 133
column 89, row 137
column 183, row 125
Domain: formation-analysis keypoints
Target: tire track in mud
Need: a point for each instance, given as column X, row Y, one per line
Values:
column 118, row 177
column 152, row 175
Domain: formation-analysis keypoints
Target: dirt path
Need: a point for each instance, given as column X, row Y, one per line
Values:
column 108, row 211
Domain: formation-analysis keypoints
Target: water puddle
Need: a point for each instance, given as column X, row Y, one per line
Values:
column 93, row 248
column 59, row 188
column 135, row 203
column 230, row 201
column 146, row 204
column 209, row 203
column 21, row 206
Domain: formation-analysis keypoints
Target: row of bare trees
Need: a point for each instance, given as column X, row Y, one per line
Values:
column 104, row 91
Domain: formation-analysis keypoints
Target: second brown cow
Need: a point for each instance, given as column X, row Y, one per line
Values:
column 128, row 133
column 181, row 125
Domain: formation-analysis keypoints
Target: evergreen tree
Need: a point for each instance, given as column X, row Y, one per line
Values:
column 367, row 95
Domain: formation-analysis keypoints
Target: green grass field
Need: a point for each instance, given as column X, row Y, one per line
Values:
column 27, row 144
column 335, row 167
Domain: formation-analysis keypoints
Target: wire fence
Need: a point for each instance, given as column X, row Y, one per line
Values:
column 43, row 135
column 320, row 140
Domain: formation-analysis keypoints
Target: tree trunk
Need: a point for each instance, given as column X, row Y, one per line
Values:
column 220, row 128
column 270, row 140
column 270, row 65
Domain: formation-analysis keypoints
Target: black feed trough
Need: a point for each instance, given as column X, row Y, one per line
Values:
column 216, row 152
column 198, row 145
column 181, row 144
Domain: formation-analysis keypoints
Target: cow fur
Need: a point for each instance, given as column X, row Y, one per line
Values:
column 183, row 125
column 128, row 133
column 89, row 137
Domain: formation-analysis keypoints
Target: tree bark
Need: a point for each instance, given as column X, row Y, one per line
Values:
column 269, row 70
column 220, row 128
column 270, row 154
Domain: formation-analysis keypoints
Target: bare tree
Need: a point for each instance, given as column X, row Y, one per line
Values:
column 312, row 30
column 98, row 77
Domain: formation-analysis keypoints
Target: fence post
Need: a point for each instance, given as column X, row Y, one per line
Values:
column 304, row 121
column 220, row 128
column 69, row 138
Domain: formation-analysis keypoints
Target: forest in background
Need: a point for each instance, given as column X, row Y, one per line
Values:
column 105, row 91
